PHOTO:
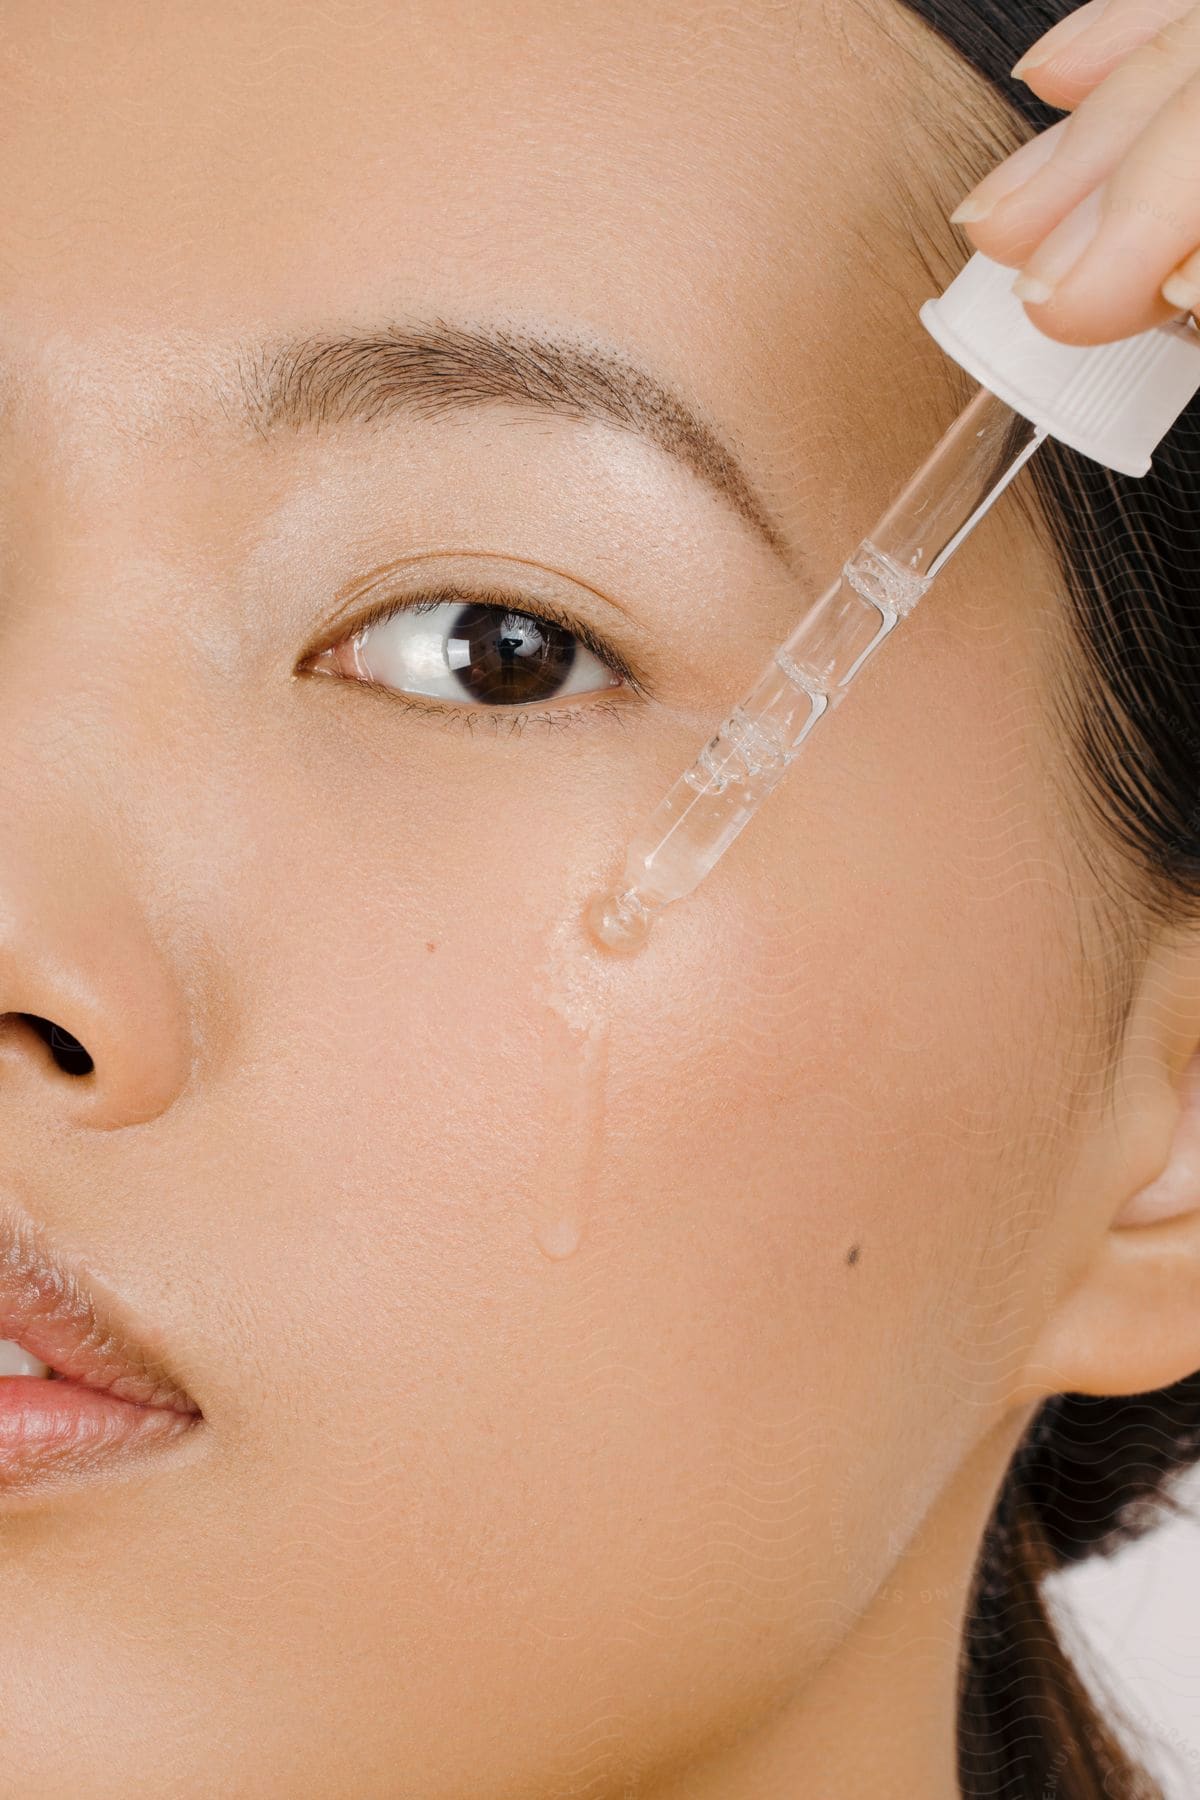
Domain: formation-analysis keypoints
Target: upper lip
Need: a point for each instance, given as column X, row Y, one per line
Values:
column 65, row 1318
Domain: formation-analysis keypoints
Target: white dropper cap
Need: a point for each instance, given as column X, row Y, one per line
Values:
column 1113, row 402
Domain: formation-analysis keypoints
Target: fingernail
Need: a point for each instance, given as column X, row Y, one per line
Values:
column 1177, row 290
column 1059, row 36
column 1061, row 252
column 1009, row 175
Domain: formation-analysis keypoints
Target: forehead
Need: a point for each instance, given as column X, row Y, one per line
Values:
column 696, row 183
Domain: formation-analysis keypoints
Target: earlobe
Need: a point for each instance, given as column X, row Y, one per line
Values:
column 1177, row 1189
column 1125, row 1314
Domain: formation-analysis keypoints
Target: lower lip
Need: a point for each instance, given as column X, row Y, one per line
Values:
column 60, row 1428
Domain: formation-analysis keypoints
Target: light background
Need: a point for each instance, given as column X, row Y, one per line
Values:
column 1139, row 1616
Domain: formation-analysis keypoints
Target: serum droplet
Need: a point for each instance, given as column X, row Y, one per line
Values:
column 620, row 921
column 575, row 1069
column 560, row 1238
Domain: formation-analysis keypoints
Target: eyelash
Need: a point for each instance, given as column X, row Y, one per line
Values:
column 514, row 719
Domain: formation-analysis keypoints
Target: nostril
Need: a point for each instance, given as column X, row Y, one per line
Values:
column 66, row 1050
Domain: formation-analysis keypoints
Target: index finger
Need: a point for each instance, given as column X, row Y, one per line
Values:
column 1064, row 65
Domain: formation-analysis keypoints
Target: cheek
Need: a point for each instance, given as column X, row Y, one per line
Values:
column 620, row 1405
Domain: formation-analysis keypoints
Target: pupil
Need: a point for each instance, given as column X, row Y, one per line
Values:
column 506, row 658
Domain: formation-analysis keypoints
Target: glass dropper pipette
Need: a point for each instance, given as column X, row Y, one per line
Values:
column 1111, row 401
column 812, row 670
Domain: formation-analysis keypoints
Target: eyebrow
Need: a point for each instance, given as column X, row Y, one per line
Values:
column 436, row 369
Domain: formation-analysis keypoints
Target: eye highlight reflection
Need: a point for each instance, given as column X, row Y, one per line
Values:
column 477, row 647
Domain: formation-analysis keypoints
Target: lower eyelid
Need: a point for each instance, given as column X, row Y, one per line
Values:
column 499, row 721
column 508, row 721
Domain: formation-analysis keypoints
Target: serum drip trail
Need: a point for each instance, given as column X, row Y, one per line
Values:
column 570, row 1126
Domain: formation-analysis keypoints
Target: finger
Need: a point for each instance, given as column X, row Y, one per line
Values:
column 1101, row 271
column 1092, row 144
column 1067, row 62
column 1182, row 286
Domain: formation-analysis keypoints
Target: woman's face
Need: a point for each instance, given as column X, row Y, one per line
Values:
column 580, row 1341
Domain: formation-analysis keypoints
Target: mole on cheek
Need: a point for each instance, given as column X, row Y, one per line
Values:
column 852, row 1255
column 431, row 946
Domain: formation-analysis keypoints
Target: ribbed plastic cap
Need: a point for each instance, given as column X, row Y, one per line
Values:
column 1113, row 402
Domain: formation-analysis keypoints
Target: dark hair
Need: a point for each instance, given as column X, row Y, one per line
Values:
column 1090, row 1472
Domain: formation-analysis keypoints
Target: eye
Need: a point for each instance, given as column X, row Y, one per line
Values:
column 475, row 648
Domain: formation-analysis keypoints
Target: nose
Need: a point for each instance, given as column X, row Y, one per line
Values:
column 95, row 1026
column 93, row 1023
column 68, row 1052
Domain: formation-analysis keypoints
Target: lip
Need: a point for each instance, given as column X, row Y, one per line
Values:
column 116, row 1389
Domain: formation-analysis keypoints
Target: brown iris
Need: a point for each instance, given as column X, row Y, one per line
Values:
column 505, row 658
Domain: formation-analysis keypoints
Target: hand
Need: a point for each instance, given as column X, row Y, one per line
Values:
column 1101, row 212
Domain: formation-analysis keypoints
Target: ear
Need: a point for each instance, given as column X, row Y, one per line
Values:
column 1123, row 1281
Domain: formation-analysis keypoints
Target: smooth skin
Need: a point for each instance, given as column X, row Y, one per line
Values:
column 692, row 1511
